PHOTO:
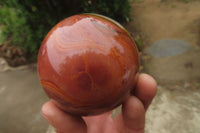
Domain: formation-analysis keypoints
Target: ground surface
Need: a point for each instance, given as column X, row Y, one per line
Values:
column 176, row 107
column 21, row 98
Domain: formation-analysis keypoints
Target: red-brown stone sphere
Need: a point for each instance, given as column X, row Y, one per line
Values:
column 88, row 64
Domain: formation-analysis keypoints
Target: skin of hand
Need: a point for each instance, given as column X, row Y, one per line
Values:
column 130, row 120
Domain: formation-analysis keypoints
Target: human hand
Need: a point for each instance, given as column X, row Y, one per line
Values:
column 130, row 120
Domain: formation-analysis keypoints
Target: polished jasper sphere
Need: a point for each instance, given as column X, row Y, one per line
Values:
column 88, row 64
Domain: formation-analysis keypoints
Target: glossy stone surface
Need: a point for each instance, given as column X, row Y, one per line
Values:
column 88, row 64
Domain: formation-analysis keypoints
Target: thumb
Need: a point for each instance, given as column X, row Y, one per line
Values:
column 62, row 121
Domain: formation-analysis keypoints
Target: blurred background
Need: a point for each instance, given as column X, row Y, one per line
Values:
column 167, row 33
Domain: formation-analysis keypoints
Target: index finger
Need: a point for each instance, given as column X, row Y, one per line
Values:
column 146, row 89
